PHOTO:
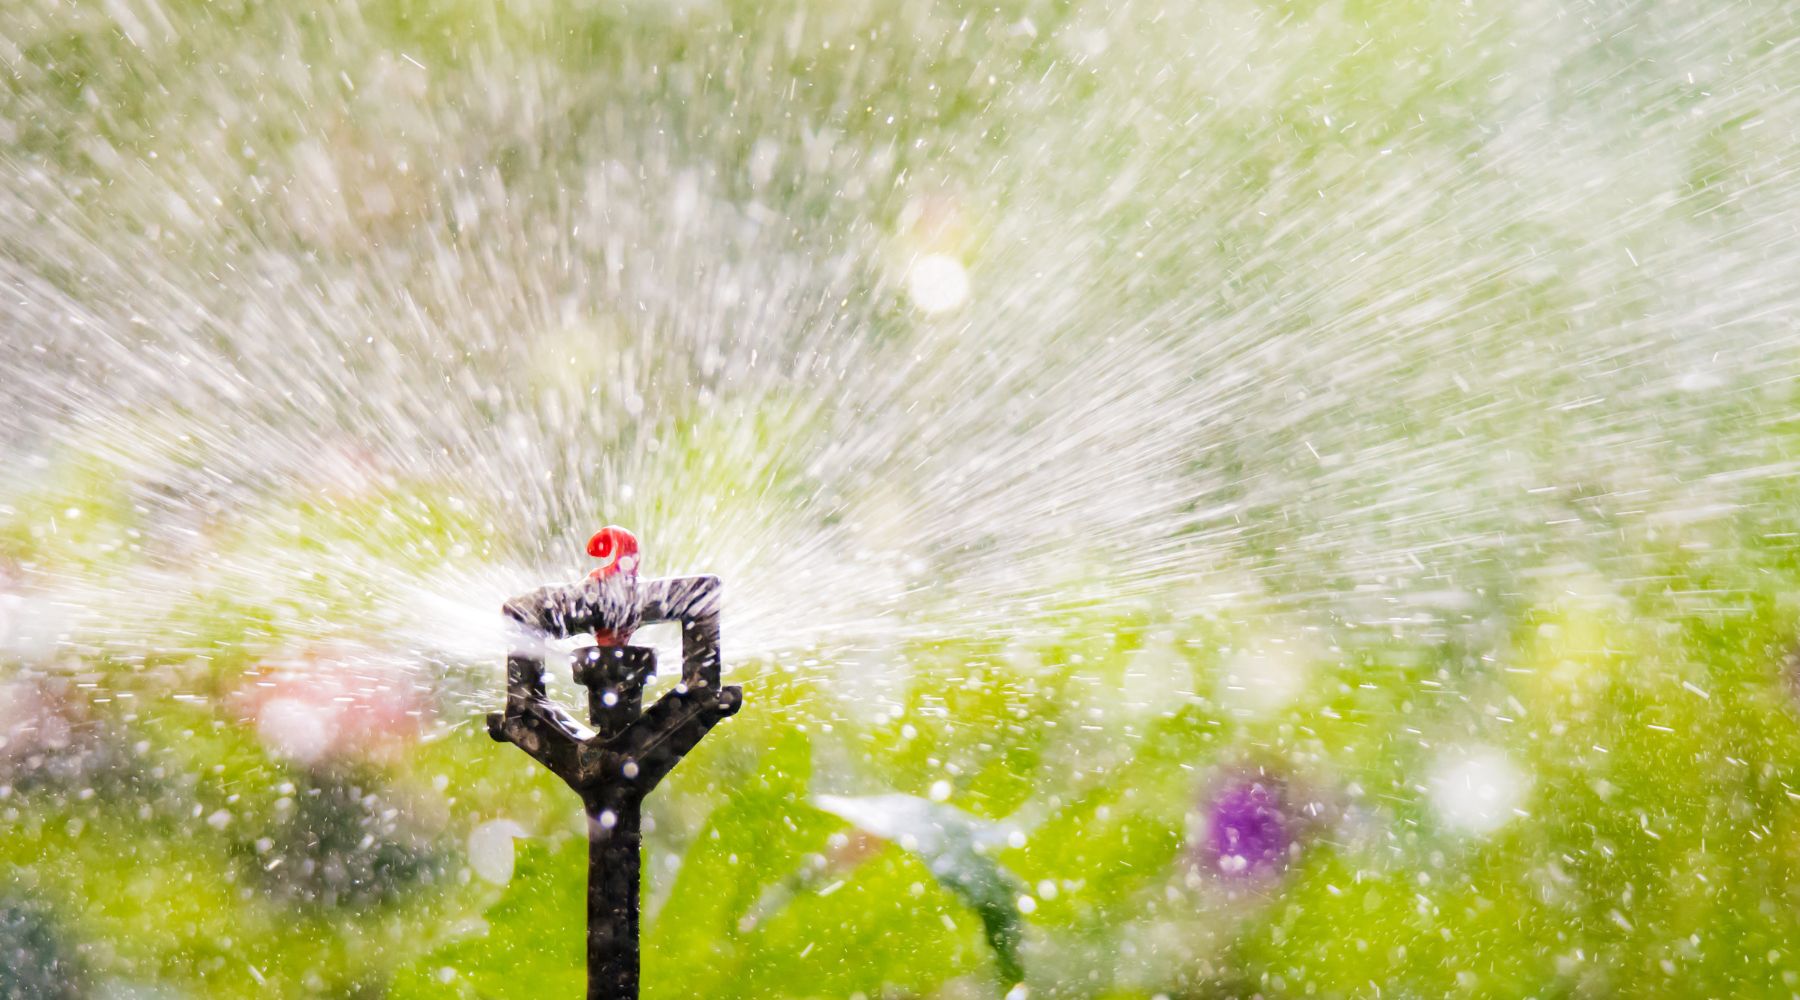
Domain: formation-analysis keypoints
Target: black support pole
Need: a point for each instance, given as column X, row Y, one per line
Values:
column 615, row 845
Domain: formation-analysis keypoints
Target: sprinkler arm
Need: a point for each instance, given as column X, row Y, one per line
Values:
column 621, row 604
column 534, row 723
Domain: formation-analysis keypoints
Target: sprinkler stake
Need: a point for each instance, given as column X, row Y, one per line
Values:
column 629, row 749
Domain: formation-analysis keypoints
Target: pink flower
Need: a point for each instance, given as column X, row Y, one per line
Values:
column 332, row 704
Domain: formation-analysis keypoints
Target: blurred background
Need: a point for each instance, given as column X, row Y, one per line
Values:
column 1237, row 498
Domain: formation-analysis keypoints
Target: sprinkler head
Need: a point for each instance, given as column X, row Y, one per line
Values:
column 617, row 550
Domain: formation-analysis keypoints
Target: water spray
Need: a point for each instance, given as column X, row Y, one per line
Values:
column 629, row 749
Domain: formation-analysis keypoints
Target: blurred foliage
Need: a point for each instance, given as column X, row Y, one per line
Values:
column 35, row 963
column 1658, row 841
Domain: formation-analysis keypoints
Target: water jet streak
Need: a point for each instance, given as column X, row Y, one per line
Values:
column 1253, row 354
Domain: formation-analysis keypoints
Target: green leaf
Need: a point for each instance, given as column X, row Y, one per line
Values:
column 872, row 924
column 955, row 848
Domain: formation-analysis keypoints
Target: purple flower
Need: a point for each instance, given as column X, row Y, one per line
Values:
column 1248, row 829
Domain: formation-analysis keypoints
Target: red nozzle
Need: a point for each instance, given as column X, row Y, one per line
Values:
column 617, row 550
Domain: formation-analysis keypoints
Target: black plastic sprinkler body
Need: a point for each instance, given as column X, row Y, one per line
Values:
column 629, row 749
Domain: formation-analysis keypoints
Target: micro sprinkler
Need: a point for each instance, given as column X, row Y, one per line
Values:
column 629, row 748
